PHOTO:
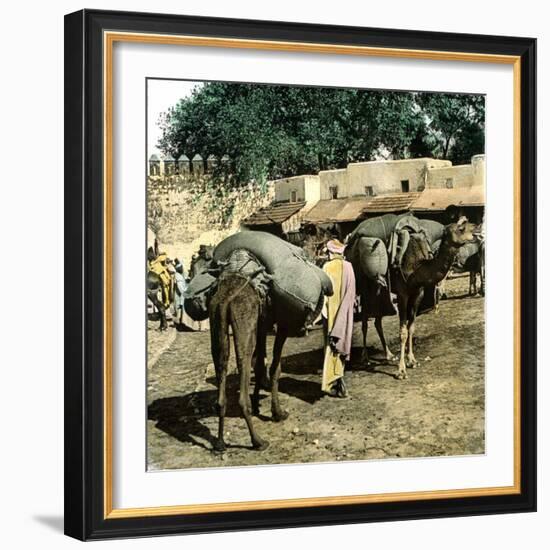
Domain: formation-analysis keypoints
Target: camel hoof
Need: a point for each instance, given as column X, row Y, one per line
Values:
column 218, row 447
column 391, row 357
column 280, row 416
column 401, row 375
column 260, row 445
column 412, row 365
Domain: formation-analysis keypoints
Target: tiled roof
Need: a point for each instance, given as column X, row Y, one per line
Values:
column 276, row 213
column 355, row 208
column 396, row 202
column 440, row 199
column 329, row 210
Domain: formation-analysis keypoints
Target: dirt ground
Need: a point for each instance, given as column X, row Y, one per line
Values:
column 438, row 410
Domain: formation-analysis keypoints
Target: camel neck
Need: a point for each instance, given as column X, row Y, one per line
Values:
column 445, row 257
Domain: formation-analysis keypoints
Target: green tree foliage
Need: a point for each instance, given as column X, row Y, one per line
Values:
column 456, row 125
column 272, row 131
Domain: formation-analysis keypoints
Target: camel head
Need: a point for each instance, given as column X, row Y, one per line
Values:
column 461, row 232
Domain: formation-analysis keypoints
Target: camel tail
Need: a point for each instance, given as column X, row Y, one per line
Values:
column 219, row 334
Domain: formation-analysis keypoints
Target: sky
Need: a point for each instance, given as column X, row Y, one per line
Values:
column 162, row 94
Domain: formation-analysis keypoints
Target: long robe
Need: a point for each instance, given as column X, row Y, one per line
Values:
column 180, row 286
column 339, row 319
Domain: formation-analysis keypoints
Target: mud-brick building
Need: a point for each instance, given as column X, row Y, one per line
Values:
column 454, row 191
column 379, row 177
column 294, row 197
column 447, row 205
column 335, row 201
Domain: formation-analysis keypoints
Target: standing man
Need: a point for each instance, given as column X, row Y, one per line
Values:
column 338, row 315
column 180, row 286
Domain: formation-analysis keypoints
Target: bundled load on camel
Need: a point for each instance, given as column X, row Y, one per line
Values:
column 380, row 227
column 369, row 257
column 379, row 242
column 432, row 229
column 196, row 295
column 295, row 285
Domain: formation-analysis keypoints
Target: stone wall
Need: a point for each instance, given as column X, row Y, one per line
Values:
column 186, row 212
column 167, row 165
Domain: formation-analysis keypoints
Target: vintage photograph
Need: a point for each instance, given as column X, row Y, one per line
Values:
column 315, row 273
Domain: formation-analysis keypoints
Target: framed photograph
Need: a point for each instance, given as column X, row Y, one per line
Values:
column 300, row 282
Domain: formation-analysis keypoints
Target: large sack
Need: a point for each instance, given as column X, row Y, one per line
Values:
column 297, row 285
column 196, row 295
column 369, row 258
column 380, row 227
column 433, row 230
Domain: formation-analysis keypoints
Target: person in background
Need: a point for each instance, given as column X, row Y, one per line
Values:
column 180, row 286
column 160, row 265
column 338, row 315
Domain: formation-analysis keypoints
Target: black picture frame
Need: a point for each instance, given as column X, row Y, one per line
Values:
column 84, row 282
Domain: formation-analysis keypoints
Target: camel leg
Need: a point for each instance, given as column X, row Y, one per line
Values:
column 220, row 353
column 260, row 355
column 364, row 329
column 403, row 333
column 411, row 359
column 244, row 349
column 414, row 303
column 378, row 324
column 443, row 288
column 260, row 375
column 274, row 373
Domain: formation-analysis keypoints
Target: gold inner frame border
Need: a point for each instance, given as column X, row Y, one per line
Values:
column 109, row 39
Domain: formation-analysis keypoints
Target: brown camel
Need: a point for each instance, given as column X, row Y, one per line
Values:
column 418, row 274
column 237, row 304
